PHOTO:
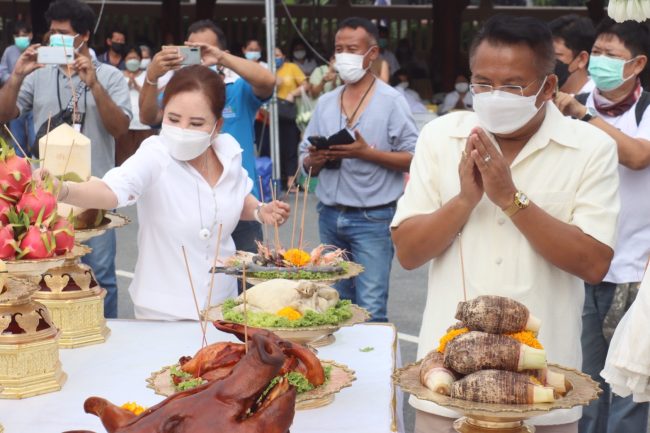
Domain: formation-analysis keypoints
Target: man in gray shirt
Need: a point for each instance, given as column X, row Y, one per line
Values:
column 102, row 102
column 360, row 182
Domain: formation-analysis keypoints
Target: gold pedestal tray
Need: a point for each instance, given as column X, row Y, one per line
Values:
column 29, row 349
column 111, row 221
column 341, row 376
column 34, row 268
column 76, row 302
column 316, row 336
column 504, row 418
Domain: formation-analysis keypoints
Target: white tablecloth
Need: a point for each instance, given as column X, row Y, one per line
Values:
column 117, row 370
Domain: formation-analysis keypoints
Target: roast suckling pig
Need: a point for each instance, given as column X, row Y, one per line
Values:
column 496, row 315
column 230, row 405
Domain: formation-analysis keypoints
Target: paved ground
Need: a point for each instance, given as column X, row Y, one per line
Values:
column 406, row 299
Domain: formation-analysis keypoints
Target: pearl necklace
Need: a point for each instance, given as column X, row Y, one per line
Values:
column 205, row 232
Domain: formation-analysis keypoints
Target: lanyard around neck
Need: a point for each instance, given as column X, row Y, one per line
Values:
column 356, row 110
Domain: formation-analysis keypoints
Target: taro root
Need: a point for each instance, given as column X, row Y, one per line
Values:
column 550, row 378
column 501, row 387
column 434, row 375
column 496, row 315
column 475, row 351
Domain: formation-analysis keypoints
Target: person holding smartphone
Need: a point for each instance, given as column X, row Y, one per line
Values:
column 370, row 139
column 103, row 108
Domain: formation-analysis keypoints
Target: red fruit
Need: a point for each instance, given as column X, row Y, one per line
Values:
column 7, row 243
column 5, row 207
column 37, row 200
column 15, row 172
column 63, row 231
column 37, row 243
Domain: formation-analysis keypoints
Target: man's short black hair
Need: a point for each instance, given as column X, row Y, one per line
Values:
column 199, row 26
column 510, row 30
column 80, row 15
column 115, row 29
column 635, row 36
column 578, row 33
column 356, row 22
column 21, row 26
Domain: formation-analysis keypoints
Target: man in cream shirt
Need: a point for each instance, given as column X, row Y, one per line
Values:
column 533, row 195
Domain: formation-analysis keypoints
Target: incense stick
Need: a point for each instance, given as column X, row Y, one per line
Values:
column 14, row 139
column 275, row 223
column 196, row 303
column 266, row 237
column 214, row 265
column 47, row 136
column 295, row 219
column 245, row 307
column 462, row 265
column 286, row 194
column 65, row 168
column 304, row 210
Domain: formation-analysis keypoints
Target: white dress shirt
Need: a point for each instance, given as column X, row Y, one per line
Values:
column 633, row 247
column 174, row 203
column 569, row 169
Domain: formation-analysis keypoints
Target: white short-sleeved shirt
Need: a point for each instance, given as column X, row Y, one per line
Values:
column 174, row 204
column 569, row 169
column 633, row 246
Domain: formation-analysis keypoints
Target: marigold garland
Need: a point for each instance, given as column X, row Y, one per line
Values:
column 297, row 257
column 133, row 407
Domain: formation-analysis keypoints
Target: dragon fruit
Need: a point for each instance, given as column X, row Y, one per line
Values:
column 5, row 208
column 38, row 201
column 63, row 231
column 15, row 172
column 7, row 243
column 37, row 243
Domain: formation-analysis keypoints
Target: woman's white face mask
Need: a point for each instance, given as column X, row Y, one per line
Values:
column 503, row 113
column 185, row 144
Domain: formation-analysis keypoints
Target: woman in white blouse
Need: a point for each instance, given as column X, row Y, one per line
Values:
column 188, row 182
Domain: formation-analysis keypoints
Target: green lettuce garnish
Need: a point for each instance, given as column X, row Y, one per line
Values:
column 341, row 312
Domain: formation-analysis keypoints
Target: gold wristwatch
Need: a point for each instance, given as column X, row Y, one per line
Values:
column 521, row 201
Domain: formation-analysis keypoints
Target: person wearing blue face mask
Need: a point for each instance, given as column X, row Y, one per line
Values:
column 526, row 196
column 619, row 107
column 252, row 51
column 22, row 128
column 103, row 110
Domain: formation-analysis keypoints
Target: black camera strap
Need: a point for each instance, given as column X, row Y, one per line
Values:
column 81, row 115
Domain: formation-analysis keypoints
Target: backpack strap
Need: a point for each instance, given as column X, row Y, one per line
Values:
column 641, row 105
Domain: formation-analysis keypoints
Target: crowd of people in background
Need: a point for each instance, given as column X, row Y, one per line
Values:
column 346, row 116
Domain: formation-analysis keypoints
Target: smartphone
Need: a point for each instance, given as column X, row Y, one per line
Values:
column 344, row 136
column 319, row 142
column 55, row 55
column 191, row 55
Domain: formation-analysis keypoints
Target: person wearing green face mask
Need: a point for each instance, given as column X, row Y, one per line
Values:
column 619, row 107
column 22, row 127
column 127, row 144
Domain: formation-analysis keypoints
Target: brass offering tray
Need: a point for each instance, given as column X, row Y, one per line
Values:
column 111, row 221
column 341, row 377
column 34, row 268
column 506, row 418
column 353, row 269
column 316, row 336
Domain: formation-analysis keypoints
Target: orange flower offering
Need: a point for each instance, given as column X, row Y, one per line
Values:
column 450, row 336
column 133, row 407
column 297, row 257
column 527, row 338
column 290, row 313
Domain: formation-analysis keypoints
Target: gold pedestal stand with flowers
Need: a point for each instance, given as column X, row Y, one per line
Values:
column 73, row 296
column 29, row 347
